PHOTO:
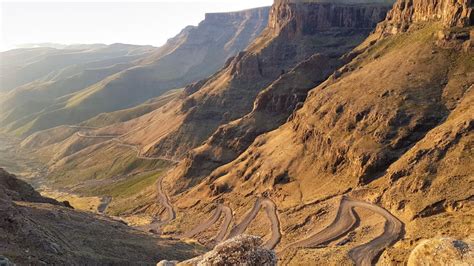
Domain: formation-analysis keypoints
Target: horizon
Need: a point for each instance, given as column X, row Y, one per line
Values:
column 154, row 22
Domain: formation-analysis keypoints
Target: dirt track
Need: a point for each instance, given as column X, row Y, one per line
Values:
column 165, row 201
column 117, row 139
column 345, row 221
column 270, row 209
column 218, row 212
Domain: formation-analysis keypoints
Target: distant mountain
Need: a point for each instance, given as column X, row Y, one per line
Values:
column 49, row 87
column 59, row 46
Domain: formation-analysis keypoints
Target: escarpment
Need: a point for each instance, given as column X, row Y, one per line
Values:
column 299, row 49
column 409, row 12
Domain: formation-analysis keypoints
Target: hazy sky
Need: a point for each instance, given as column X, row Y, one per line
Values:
column 107, row 22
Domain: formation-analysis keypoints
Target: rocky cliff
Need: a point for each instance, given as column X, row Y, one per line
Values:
column 406, row 13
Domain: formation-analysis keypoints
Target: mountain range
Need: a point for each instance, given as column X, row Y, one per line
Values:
column 339, row 132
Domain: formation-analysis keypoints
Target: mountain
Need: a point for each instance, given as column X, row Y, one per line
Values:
column 388, row 135
column 38, row 230
column 206, row 104
column 278, row 81
column 341, row 135
column 193, row 54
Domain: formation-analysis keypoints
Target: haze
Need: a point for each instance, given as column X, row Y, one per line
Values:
column 145, row 23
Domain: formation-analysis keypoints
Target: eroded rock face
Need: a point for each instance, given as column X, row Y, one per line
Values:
column 240, row 250
column 442, row 251
column 406, row 12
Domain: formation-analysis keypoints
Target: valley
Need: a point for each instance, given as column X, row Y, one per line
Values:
column 308, row 132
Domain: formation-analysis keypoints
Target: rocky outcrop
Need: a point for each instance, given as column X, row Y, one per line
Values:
column 19, row 190
column 407, row 12
column 442, row 251
column 240, row 250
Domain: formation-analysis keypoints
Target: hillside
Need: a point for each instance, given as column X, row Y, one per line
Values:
column 392, row 129
column 342, row 134
column 191, row 118
column 37, row 230
column 193, row 54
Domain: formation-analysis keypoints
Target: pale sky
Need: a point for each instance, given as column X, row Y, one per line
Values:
column 67, row 22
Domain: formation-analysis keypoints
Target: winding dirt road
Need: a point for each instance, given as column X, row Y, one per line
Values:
column 165, row 201
column 117, row 139
column 347, row 220
column 271, row 211
column 221, row 210
column 104, row 204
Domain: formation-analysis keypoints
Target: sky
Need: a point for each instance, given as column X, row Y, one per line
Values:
column 73, row 22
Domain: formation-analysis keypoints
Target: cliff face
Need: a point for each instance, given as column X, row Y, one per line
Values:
column 296, row 32
column 407, row 12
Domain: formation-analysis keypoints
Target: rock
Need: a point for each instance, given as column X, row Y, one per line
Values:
column 407, row 12
column 166, row 263
column 240, row 250
column 442, row 251
column 4, row 261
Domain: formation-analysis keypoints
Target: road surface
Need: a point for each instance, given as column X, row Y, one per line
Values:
column 117, row 139
column 271, row 211
column 104, row 204
column 221, row 210
column 347, row 220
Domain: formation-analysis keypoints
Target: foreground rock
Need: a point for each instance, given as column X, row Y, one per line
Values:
column 240, row 250
column 442, row 251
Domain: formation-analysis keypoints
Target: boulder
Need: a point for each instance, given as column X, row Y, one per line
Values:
column 442, row 251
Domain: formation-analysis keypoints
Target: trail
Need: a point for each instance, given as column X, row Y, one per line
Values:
column 104, row 204
column 271, row 211
column 162, row 197
column 165, row 201
column 221, row 210
column 117, row 139
column 347, row 220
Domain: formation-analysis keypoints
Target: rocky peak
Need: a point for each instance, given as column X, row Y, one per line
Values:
column 450, row 13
